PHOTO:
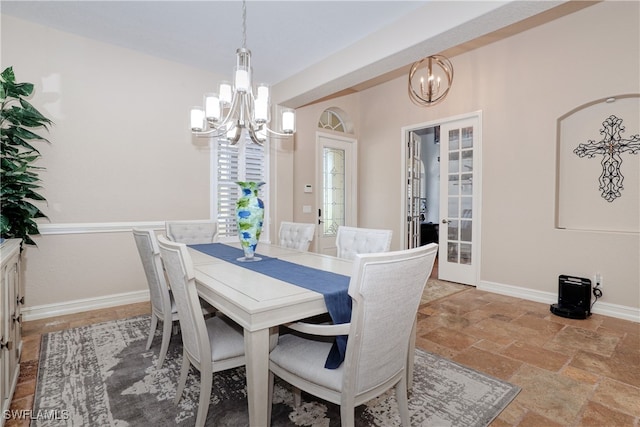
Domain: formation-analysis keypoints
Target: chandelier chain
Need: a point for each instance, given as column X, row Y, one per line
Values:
column 244, row 24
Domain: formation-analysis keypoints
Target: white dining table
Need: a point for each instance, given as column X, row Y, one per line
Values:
column 260, row 304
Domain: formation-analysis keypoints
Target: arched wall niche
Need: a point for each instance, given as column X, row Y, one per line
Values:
column 598, row 166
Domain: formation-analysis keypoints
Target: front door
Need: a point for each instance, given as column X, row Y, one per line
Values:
column 459, row 236
column 336, row 182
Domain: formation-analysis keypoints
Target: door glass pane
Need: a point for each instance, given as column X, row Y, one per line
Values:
column 333, row 175
column 467, row 160
column 454, row 139
column 453, row 209
column 454, row 185
column 465, row 253
column 467, row 137
column 452, row 233
column 454, row 162
column 465, row 231
column 452, row 252
column 466, row 204
column 466, row 184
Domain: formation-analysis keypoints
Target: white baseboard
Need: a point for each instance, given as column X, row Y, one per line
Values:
column 600, row 307
column 77, row 306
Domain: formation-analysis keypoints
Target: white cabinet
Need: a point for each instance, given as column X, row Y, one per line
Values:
column 11, row 300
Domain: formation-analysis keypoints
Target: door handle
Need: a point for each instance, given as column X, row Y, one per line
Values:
column 445, row 221
column 5, row 344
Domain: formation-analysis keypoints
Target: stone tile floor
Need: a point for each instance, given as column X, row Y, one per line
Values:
column 572, row 372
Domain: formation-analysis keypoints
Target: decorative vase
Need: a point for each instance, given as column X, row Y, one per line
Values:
column 249, row 216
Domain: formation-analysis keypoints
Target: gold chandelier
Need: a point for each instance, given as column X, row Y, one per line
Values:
column 435, row 77
column 240, row 106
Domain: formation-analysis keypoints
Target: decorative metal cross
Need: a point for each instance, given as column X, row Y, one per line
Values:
column 611, row 147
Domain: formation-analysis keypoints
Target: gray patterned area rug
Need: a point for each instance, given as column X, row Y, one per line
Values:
column 101, row 375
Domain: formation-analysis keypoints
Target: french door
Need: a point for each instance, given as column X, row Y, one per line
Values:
column 414, row 191
column 459, row 236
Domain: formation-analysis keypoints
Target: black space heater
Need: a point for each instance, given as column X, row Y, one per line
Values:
column 574, row 297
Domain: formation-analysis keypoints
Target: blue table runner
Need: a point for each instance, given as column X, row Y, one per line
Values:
column 332, row 286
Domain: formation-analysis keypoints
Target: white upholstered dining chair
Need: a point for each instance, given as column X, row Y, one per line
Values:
column 192, row 232
column 353, row 240
column 296, row 235
column 210, row 345
column 378, row 335
column 162, row 306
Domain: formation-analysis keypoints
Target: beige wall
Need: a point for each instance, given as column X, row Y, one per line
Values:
column 121, row 151
column 521, row 85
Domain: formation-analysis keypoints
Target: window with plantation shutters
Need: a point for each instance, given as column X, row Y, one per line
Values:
column 241, row 162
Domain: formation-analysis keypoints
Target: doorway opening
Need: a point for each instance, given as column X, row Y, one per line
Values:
column 424, row 186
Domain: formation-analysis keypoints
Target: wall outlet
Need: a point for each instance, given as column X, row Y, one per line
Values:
column 598, row 280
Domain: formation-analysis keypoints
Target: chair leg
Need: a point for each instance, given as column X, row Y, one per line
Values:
column 403, row 401
column 184, row 372
column 347, row 409
column 206, row 381
column 347, row 415
column 297, row 397
column 411, row 354
column 270, row 400
column 166, row 338
column 152, row 329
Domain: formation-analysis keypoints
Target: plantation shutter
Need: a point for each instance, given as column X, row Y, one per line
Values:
column 244, row 161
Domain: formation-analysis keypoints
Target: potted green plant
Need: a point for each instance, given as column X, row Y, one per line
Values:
column 19, row 180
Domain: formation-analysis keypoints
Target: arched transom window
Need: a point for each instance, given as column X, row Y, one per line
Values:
column 331, row 120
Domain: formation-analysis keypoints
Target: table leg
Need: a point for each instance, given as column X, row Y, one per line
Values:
column 256, row 346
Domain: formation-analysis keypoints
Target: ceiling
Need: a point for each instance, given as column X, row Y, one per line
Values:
column 289, row 37
column 284, row 36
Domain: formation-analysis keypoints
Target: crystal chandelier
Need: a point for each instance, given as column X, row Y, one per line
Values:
column 430, row 91
column 239, row 106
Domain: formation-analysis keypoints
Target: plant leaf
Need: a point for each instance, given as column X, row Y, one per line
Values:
column 8, row 75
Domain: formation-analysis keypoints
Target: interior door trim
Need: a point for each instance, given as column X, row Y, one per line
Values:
column 404, row 135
